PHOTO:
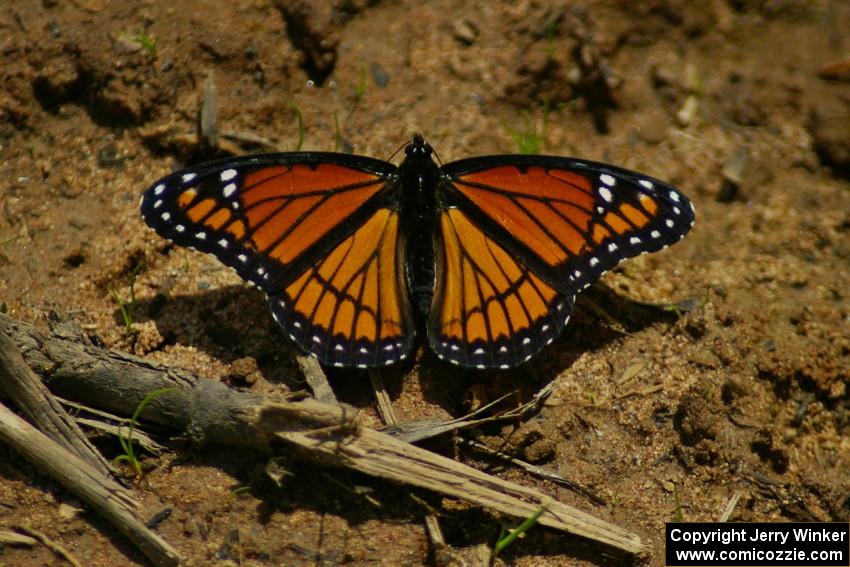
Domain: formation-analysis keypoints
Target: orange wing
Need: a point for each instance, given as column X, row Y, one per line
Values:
column 351, row 308
column 521, row 235
column 569, row 220
column 489, row 309
column 317, row 232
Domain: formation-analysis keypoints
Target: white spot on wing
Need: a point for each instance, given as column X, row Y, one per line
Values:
column 201, row 235
column 669, row 223
column 187, row 177
column 612, row 247
column 594, row 261
column 605, row 193
column 655, row 234
column 242, row 258
column 674, row 196
column 228, row 189
column 157, row 204
column 646, row 183
column 223, row 243
column 634, row 240
column 607, row 180
column 166, row 216
column 179, row 228
column 228, row 174
column 159, row 189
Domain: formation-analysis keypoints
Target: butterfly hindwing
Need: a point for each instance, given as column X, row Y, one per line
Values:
column 351, row 308
column 489, row 309
column 570, row 220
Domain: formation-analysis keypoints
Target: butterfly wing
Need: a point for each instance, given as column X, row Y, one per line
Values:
column 555, row 225
column 317, row 232
column 489, row 310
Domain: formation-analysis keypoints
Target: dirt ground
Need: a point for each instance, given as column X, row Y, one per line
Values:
column 663, row 414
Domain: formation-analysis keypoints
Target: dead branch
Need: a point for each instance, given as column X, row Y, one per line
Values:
column 210, row 412
column 327, row 434
column 19, row 383
column 110, row 499
column 67, row 456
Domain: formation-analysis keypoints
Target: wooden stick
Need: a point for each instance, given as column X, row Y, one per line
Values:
column 8, row 537
column 316, row 379
column 328, row 434
column 21, row 384
column 109, row 498
column 385, row 404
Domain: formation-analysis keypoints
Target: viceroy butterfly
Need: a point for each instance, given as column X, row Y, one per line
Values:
column 358, row 256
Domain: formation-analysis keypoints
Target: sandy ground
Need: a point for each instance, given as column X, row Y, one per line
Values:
column 744, row 105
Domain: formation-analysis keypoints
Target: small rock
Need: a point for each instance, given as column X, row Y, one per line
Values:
column 67, row 512
column 379, row 75
column 465, row 31
column 244, row 371
column 653, row 129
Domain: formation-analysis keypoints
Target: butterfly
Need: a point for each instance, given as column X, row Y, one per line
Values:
column 358, row 256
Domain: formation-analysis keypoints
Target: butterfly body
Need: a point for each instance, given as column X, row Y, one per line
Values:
column 419, row 176
column 358, row 256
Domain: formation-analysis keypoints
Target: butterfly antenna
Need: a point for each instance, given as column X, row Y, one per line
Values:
column 398, row 149
column 437, row 157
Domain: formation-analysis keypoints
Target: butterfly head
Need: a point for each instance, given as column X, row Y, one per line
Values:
column 418, row 148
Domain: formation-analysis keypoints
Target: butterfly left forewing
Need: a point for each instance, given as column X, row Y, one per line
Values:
column 267, row 216
column 317, row 232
